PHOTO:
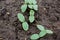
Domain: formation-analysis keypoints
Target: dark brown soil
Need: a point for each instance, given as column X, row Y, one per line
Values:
column 47, row 15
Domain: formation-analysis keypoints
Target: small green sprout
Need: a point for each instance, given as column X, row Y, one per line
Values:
column 40, row 27
column 24, row 23
column 42, row 33
column 32, row 4
column 31, row 17
column 23, row 7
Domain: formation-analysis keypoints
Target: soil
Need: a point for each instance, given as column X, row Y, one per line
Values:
column 48, row 15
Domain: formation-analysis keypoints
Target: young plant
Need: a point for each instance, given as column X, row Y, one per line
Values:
column 20, row 16
column 32, row 4
column 24, row 23
column 31, row 17
column 42, row 33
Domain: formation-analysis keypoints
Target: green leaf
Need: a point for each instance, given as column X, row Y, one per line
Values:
column 40, row 27
column 34, row 2
column 25, row 26
column 35, row 7
column 26, row 1
column 34, row 36
column 42, row 33
column 32, row 12
column 30, row 6
column 49, row 31
column 31, row 19
column 23, row 8
column 20, row 17
column 30, row 1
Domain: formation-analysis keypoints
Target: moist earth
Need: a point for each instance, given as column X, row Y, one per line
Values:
column 48, row 15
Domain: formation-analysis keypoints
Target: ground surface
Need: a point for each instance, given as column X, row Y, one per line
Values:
column 47, row 15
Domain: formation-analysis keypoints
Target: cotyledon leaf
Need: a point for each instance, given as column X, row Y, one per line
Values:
column 30, row 6
column 35, row 7
column 34, row 36
column 32, row 12
column 23, row 7
column 34, row 2
column 25, row 26
column 49, row 31
column 42, row 33
column 20, row 17
column 31, row 19
column 40, row 27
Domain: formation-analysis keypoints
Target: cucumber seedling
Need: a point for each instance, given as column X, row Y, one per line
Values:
column 42, row 33
column 32, row 4
column 24, row 23
column 31, row 17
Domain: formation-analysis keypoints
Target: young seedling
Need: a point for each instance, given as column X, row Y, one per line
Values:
column 20, row 16
column 31, row 17
column 32, row 4
column 24, row 23
column 42, row 33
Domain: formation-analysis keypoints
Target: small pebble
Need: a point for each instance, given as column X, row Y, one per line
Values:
column 8, row 13
column 44, row 8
